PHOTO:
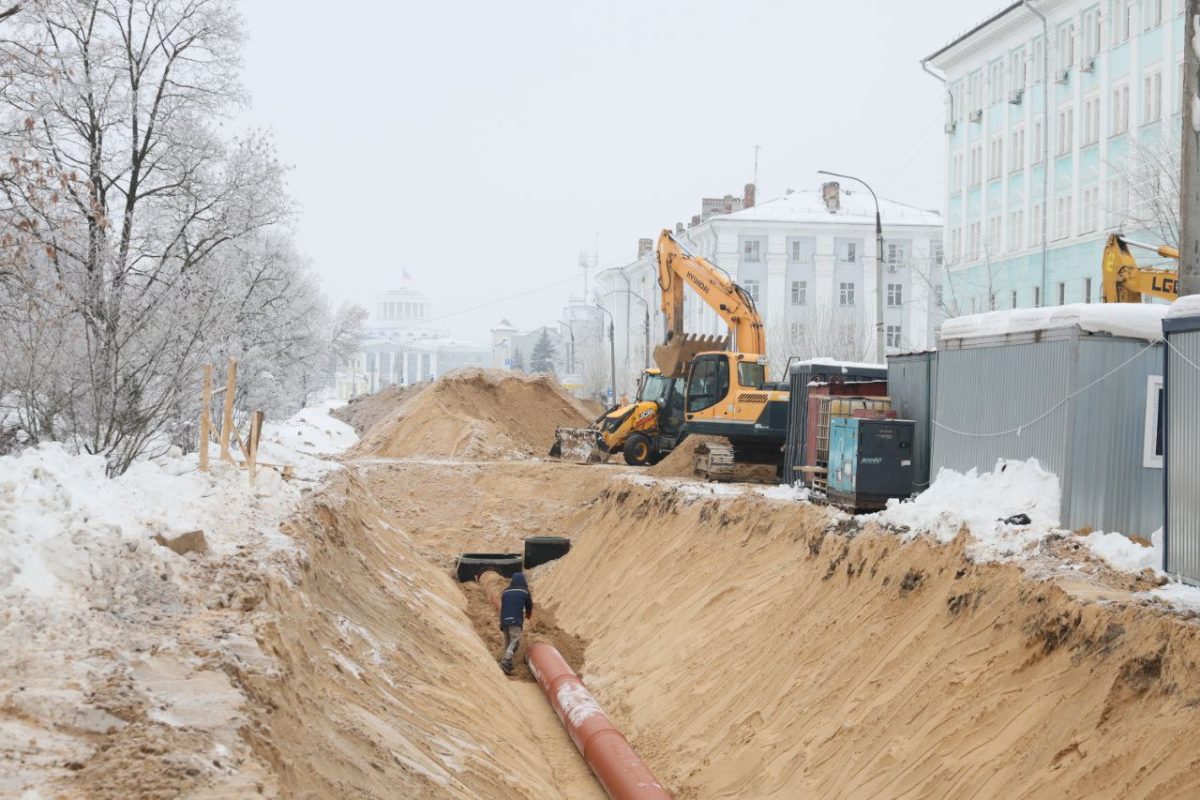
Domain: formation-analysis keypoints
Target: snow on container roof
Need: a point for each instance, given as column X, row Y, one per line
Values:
column 1131, row 320
column 855, row 208
column 1186, row 306
column 846, row 367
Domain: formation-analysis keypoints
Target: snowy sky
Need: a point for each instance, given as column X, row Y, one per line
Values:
column 481, row 146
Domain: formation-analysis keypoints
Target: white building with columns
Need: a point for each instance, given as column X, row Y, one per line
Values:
column 401, row 347
column 808, row 259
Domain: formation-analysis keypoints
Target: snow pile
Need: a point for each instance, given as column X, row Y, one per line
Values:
column 1186, row 306
column 1133, row 320
column 302, row 440
column 1123, row 553
column 981, row 503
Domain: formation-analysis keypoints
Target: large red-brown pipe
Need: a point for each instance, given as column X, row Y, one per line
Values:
column 619, row 769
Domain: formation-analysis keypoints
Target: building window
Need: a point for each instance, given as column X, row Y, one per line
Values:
column 1120, row 109
column 846, row 294
column 976, row 91
column 893, row 335
column 1062, row 293
column 1087, row 290
column 1152, row 97
column 956, row 172
column 895, row 295
column 850, row 250
column 996, row 81
column 1016, row 229
column 955, row 244
column 1152, row 13
column 1066, row 47
column 799, row 293
column 1123, row 24
column 797, row 331
column 975, row 166
column 939, row 256
column 1091, row 209
column 750, row 251
column 801, row 254
column 1062, row 221
column 1035, row 225
column 751, row 287
column 1152, row 447
column 939, row 300
column 1091, row 120
column 1016, row 154
column 994, row 242
column 1091, row 34
column 996, row 158
column 896, row 256
column 1037, row 297
column 1016, row 71
column 1039, row 60
column 1066, row 130
column 1039, row 140
column 973, row 236
column 1014, row 299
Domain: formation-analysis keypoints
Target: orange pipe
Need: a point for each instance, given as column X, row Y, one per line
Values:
column 620, row 771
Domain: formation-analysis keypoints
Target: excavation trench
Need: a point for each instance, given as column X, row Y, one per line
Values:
column 745, row 647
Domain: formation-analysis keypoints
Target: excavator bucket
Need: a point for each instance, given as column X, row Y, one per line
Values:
column 679, row 351
column 578, row 444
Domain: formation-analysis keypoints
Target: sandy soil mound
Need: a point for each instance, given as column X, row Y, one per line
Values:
column 678, row 463
column 476, row 414
column 362, row 412
column 777, row 656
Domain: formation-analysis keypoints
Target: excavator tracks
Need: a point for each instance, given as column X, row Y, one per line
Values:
column 713, row 461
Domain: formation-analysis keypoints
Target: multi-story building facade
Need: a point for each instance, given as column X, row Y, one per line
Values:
column 1062, row 125
column 808, row 259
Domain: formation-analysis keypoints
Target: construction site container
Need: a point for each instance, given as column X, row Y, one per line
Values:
column 802, row 378
column 911, row 381
column 1181, row 447
column 1075, row 401
column 870, row 462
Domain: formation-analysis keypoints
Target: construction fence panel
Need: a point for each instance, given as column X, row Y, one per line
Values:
column 911, row 387
column 1182, row 448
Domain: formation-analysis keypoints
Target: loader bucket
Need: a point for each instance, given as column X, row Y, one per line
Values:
column 578, row 444
column 674, row 356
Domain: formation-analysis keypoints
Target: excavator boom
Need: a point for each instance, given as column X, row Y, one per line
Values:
column 677, row 269
column 1126, row 282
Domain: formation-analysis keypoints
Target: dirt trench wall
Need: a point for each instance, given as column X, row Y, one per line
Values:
column 383, row 688
column 747, row 652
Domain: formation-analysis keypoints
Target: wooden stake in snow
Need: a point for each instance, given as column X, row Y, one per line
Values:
column 227, row 416
column 205, row 415
column 256, row 423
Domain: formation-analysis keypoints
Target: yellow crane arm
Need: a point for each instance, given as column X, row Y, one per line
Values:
column 677, row 268
column 1126, row 282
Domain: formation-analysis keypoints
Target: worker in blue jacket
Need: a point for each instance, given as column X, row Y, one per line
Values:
column 516, row 606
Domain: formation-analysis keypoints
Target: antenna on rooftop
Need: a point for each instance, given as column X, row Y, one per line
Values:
column 756, row 165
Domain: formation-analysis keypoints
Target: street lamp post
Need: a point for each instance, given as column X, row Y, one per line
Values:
column 880, row 352
column 571, row 349
column 612, row 352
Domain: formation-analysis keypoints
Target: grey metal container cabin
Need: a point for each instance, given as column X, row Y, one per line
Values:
column 1181, row 531
column 1044, row 395
column 799, row 375
column 912, row 378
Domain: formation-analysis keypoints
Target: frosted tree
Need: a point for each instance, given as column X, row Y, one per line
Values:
column 518, row 360
column 542, row 359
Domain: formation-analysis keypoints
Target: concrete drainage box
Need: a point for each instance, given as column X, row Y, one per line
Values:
column 1181, row 447
column 1049, row 395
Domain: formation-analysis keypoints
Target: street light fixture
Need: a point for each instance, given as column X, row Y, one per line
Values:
column 880, row 353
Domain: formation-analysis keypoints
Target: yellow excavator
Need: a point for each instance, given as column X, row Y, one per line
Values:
column 727, row 393
column 1126, row 282
column 644, row 430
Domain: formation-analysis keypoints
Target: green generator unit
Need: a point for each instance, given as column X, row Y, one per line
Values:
column 870, row 462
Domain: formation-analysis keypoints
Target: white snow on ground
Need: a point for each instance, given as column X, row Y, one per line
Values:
column 1123, row 553
column 82, row 578
column 982, row 502
column 1135, row 320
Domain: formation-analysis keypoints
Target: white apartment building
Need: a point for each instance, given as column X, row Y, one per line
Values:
column 808, row 259
column 1062, row 125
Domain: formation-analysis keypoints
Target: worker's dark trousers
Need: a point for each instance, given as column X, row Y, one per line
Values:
column 512, row 640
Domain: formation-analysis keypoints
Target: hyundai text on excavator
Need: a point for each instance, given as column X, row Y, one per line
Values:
column 644, row 430
column 1126, row 282
column 727, row 393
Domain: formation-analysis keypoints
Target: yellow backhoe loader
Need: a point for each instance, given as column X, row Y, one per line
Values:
column 727, row 393
column 1126, row 282
column 644, row 430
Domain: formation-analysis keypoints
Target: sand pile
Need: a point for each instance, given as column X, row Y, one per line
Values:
column 476, row 414
column 362, row 412
column 748, row 649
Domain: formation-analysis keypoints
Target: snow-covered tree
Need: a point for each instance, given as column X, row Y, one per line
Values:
column 542, row 359
column 518, row 360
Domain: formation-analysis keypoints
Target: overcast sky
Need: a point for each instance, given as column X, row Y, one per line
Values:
column 480, row 146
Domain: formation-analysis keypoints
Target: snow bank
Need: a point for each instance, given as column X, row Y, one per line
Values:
column 845, row 366
column 1133, row 320
column 981, row 503
column 1123, row 553
column 1186, row 306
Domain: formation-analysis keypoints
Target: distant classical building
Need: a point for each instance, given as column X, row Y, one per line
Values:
column 400, row 347
column 1062, row 125
column 808, row 260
